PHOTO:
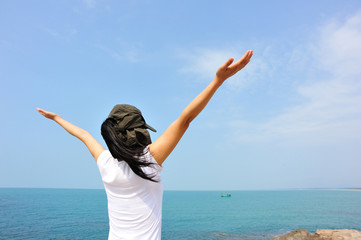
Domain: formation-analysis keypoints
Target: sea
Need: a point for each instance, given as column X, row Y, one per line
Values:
column 27, row 213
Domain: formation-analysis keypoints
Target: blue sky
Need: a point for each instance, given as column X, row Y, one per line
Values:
column 290, row 119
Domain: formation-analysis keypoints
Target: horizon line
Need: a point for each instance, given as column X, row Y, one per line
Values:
column 200, row 190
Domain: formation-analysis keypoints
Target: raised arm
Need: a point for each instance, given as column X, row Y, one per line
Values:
column 93, row 145
column 164, row 145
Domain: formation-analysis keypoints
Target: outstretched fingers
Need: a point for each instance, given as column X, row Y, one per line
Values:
column 41, row 111
column 241, row 63
column 227, row 63
column 228, row 69
column 46, row 114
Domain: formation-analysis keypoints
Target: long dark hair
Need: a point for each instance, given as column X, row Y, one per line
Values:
column 132, row 156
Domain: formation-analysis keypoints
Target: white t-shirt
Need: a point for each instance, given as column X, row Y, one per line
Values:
column 134, row 203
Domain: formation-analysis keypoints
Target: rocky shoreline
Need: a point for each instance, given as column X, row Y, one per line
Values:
column 321, row 234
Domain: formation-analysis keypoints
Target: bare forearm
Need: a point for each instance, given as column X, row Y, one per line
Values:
column 94, row 147
column 164, row 145
column 199, row 103
column 70, row 128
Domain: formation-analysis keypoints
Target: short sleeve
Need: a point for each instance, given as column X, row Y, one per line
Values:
column 104, row 158
column 149, row 158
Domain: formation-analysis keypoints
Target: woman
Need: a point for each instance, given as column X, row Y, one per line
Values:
column 131, row 168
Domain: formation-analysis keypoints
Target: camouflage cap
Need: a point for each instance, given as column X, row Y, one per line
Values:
column 130, row 125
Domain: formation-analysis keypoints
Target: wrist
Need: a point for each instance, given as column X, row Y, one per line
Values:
column 218, row 80
column 56, row 118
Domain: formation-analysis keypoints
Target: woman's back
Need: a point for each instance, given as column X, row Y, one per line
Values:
column 135, row 193
column 126, row 190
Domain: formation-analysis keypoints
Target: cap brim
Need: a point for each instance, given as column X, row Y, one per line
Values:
column 150, row 128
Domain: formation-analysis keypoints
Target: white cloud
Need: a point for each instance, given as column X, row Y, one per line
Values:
column 331, row 108
column 327, row 86
column 204, row 63
column 339, row 49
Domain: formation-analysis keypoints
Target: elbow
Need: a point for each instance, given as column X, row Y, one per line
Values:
column 186, row 124
column 188, row 121
column 187, row 118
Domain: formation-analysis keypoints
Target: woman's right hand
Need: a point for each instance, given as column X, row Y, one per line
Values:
column 47, row 114
column 94, row 147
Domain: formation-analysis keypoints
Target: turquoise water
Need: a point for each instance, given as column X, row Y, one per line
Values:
column 82, row 214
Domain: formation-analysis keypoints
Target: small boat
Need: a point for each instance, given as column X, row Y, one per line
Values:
column 226, row 195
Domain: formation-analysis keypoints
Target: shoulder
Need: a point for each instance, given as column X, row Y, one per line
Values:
column 104, row 157
column 149, row 157
column 152, row 151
